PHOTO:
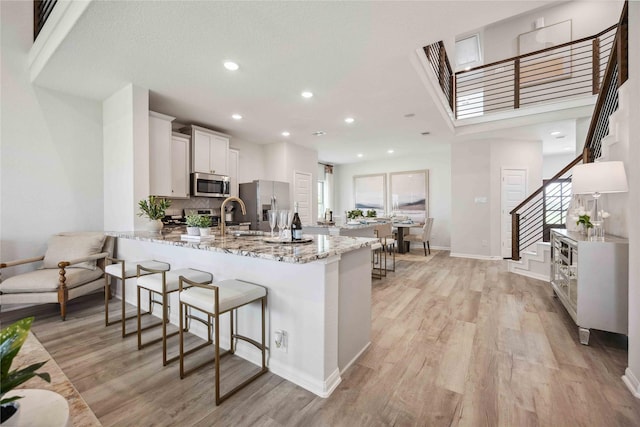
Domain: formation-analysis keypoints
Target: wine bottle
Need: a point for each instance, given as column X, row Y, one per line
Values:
column 296, row 225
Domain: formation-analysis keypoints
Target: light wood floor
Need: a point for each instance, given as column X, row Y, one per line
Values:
column 455, row 342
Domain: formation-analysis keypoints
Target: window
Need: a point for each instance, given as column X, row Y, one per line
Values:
column 321, row 198
column 468, row 52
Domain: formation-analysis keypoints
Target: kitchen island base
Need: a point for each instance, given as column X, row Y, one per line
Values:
column 323, row 306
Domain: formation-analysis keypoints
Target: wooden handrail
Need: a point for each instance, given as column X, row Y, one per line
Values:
column 538, row 52
column 550, row 181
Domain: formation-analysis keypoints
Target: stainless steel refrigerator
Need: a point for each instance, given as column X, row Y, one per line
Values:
column 259, row 197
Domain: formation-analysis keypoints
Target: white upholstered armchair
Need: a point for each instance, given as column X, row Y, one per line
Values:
column 72, row 266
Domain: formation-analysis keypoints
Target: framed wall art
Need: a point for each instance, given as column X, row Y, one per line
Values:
column 370, row 192
column 548, row 66
column 410, row 193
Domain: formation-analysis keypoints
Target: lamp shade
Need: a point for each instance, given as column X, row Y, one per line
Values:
column 599, row 177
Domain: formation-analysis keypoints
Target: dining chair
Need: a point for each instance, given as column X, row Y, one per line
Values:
column 423, row 237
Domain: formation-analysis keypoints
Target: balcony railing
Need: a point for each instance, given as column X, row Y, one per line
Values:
column 558, row 73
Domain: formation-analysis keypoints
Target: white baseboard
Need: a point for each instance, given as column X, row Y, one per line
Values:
column 319, row 388
column 441, row 248
column 632, row 382
column 352, row 361
column 538, row 276
column 474, row 256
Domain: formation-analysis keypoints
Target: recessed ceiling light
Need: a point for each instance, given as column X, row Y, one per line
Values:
column 231, row 66
column 307, row 94
column 555, row 132
column 236, row 116
column 349, row 120
column 360, row 154
column 567, row 148
column 319, row 133
column 390, row 151
column 285, row 133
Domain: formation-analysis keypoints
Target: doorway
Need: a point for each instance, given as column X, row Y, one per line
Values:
column 514, row 190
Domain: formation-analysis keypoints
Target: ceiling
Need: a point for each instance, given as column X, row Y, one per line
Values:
column 356, row 57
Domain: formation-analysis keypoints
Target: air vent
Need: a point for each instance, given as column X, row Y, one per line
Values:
column 319, row 133
column 425, row 133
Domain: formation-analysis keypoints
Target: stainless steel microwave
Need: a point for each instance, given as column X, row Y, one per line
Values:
column 207, row 185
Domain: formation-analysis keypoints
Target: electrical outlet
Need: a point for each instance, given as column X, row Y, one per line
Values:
column 280, row 340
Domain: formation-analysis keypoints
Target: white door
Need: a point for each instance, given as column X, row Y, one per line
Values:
column 302, row 195
column 514, row 191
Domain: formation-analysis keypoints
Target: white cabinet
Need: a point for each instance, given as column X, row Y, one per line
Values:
column 591, row 280
column 210, row 151
column 159, row 154
column 179, row 165
column 234, row 158
column 168, row 158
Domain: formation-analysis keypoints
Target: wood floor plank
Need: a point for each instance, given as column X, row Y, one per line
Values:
column 454, row 342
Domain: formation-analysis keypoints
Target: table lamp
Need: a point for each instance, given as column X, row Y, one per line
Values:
column 596, row 179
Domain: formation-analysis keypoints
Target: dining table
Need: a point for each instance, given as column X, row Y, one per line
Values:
column 403, row 227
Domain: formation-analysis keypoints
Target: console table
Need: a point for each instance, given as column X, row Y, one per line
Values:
column 591, row 280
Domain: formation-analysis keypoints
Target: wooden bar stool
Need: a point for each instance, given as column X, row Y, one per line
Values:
column 163, row 283
column 213, row 300
column 125, row 270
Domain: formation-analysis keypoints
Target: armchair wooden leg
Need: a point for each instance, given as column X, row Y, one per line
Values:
column 428, row 248
column 424, row 244
column 63, row 294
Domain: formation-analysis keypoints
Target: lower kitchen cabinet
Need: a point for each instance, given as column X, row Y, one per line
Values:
column 591, row 280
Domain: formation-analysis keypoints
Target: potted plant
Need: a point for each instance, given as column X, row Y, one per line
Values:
column 205, row 225
column 193, row 224
column 11, row 339
column 154, row 209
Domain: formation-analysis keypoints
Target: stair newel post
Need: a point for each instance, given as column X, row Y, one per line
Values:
column 515, row 236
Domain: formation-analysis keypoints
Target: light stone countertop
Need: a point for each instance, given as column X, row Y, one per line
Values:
column 255, row 246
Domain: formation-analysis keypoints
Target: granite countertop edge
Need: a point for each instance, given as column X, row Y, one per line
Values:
column 320, row 248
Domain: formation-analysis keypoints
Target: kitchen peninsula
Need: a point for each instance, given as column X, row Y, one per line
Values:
column 319, row 295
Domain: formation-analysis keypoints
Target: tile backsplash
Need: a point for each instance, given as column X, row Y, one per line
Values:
column 177, row 205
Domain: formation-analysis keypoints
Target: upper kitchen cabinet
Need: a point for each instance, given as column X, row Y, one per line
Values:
column 168, row 158
column 180, row 165
column 209, row 152
column 160, row 154
column 234, row 157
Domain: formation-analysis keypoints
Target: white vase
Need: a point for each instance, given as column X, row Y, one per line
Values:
column 193, row 231
column 155, row 225
column 39, row 408
column 205, row 231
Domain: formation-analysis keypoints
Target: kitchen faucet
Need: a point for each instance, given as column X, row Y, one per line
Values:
column 229, row 199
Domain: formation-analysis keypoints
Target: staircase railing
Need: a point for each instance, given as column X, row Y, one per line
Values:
column 439, row 61
column 530, row 219
column 41, row 11
column 557, row 73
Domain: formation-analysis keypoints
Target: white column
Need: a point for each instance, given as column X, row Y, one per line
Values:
column 126, row 157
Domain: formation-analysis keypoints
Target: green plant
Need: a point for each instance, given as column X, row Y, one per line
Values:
column 11, row 339
column 193, row 220
column 355, row 213
column 154, row 208
column 371, row 213
column 584, row 220
column 205, row 222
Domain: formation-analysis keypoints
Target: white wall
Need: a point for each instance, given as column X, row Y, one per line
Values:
column 633, row 176
column 587, row 18
column 437, row 161
column 553, row 164
column 476, row 168
column 126, row 157
column 251, row 164
column 50, row 148
column 281, row 159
